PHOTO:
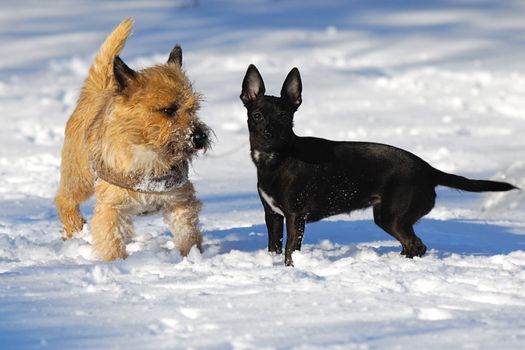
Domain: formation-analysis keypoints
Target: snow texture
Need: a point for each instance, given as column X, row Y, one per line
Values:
column 176, row 178
column 442, row 79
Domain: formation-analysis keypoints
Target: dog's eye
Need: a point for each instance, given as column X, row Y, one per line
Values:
column 257, row 116
column 170, row 111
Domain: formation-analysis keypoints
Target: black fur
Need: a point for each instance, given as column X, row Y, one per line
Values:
column 305, row 179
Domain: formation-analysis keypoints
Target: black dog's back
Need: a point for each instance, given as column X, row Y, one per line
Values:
column 333, row 177
column 305, row 179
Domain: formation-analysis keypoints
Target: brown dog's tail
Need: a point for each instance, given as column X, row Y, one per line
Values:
column 101, row 75
column 462, row 183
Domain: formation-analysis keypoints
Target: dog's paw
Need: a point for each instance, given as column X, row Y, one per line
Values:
column 416, row 249
column 275, row 250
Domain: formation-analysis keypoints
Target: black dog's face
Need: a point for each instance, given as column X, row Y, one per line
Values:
column 270, row 119
column 270, row 123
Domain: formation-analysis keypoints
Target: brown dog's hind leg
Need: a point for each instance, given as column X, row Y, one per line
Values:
column 76, row 185
column 71, row 193
column 69, row 214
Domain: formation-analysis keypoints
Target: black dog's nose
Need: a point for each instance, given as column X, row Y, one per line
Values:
column 199, row 138
column 267, row 132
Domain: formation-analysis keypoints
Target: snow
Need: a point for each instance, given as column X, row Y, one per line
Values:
column 174, row 179
column 445, row 80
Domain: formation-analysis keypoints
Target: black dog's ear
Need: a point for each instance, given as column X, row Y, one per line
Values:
column 252, row 85
column 292, row 88
column 176, row 55
column 123, row 74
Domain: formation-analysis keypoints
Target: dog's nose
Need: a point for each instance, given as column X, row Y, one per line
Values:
column 268, row 132
column 199, row 139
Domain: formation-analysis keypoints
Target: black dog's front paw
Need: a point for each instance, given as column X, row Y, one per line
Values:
column 288, row 260
column 275, row 250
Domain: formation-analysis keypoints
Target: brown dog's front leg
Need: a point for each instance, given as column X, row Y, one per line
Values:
column 294, row 236
column 274, row 225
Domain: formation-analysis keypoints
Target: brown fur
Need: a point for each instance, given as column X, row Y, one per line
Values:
column 118, row 137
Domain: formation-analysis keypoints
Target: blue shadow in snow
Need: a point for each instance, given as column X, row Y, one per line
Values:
column 460, row 237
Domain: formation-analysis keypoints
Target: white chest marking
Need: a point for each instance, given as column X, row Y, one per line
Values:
column 269, row 200
column 256, row 156
column 262, row 157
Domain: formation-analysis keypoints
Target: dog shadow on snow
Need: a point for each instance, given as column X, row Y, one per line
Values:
column 441, row 237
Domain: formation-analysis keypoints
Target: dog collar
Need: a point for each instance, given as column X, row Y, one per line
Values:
column 175, row 178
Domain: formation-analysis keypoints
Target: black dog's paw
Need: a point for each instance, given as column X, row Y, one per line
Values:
column 275, row 250
column 416, row 249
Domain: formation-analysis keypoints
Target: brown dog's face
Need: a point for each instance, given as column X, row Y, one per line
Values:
column 151, row 124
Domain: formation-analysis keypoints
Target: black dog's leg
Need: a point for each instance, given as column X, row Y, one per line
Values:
column 379, row 221
column 399, row 210
column 274, row 224
column 416, row 246
column 396, row 214
column 404, row 233
column 294, row 236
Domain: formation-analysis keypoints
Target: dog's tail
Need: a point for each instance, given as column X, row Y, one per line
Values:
column 101, row 75
column 462, row 183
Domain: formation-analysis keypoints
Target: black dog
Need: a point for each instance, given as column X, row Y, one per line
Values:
column 305, row 179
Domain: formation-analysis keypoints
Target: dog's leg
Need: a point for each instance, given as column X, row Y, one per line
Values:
column 404, row 233
column 294, row 236
column 69, row 213
column 416, row 246
column 379, row 221
column 182, row 217
column 110, row 228
column 111, row 225
column 396, row 214
column 274, row 225
column 76, row 186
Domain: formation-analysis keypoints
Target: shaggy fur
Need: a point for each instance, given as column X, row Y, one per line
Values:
column 129, row 141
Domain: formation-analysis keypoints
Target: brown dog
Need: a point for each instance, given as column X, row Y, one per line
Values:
column 129, row 141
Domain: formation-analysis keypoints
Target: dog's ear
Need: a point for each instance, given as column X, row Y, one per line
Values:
column 252, row 85
column 176, row 55
column 292, row 88
column 123, row 74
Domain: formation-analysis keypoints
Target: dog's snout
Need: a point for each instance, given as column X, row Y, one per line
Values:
column 267, row 132
column 199, row 138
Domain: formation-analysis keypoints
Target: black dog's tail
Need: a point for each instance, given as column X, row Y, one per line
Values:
column 462, row 183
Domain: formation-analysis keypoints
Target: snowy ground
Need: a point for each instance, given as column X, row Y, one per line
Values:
column 445, row 80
